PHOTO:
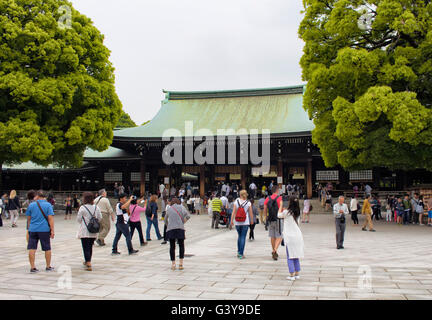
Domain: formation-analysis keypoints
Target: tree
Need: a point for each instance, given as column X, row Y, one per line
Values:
column 369, row 72
column 57, row 93
column 125, row 121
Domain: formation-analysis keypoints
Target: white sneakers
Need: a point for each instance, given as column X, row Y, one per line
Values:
column 293, row 278
column 297, row 277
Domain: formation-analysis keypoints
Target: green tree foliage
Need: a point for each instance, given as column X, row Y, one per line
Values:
column 125, row 121
column 369, row 84
column 57, row 93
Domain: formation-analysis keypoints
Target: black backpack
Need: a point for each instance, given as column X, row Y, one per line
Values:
column 93, row 226
column 273, row 209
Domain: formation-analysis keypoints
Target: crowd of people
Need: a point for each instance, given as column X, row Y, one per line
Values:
column 278, row 210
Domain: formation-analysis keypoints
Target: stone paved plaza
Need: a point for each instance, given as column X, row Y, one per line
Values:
column 399, row 259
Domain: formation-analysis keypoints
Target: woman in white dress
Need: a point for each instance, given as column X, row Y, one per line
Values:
column 290, row 212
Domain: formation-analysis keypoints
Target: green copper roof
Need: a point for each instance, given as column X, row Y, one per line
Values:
column 278, row 109
column 110, row 154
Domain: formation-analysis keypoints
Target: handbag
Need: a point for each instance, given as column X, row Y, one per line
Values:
column 93, row 226
column 342, row 219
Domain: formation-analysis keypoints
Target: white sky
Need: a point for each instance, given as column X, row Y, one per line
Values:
column 192, row 45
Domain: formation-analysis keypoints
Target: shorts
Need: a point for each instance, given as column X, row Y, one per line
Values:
column 45, row 240
column 68, row 210
column 274, row 230
column 430, row 214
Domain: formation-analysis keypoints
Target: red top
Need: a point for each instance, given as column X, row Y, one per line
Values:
column 274, row 196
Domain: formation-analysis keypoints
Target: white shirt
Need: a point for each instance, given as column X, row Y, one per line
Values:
column 224, row 201
column 161, row 188
column 246, row 208
column 119, row 212
column 338, row 207
column 354, row 204
column 252, row 186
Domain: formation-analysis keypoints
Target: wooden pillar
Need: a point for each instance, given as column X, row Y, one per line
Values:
column 142, row 177
column 309, row 179
column 243, row 177
column 280, row 173
column 202, row 180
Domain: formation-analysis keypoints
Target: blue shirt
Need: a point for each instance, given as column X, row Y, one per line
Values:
column 38, row 223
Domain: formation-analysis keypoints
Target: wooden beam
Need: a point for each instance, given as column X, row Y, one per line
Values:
column 142, row 177
column 309, row 179
column 202, row 181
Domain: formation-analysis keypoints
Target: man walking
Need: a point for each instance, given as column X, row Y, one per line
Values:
column 275, row 226
column 104, row 206
column 252, row 190
column 40, row 219
column 216, row 209
column 367, row 210
column 340, row 211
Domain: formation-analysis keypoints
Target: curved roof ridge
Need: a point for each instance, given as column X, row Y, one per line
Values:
column 180, row 95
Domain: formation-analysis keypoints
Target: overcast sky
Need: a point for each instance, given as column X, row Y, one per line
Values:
column 196, row 45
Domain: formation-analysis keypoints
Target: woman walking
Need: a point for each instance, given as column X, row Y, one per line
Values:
column 307, row 207
column 293, row 238
column 153, row 219
column 14, row 208
column 354, row 206
column 242, row 218
column 176, row 217
column 85, row 213
column 135, row 218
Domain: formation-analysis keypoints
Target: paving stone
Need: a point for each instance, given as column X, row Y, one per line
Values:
column 399, row 270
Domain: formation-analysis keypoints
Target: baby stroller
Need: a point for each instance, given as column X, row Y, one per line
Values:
column 223, row 220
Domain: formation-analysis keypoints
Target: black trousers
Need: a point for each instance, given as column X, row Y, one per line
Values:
column 87, row 245
column 354, row 217
column 138, row 226
column 172, row 248
column 251, row 231
column 164, row 232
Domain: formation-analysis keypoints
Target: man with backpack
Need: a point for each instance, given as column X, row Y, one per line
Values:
column 104, row 206
column 275, row 226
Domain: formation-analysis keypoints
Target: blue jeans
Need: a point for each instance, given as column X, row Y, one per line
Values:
column 154, row 222
column 293, row 264
column 229, row 214
column 122, row 229
column 241, row 241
